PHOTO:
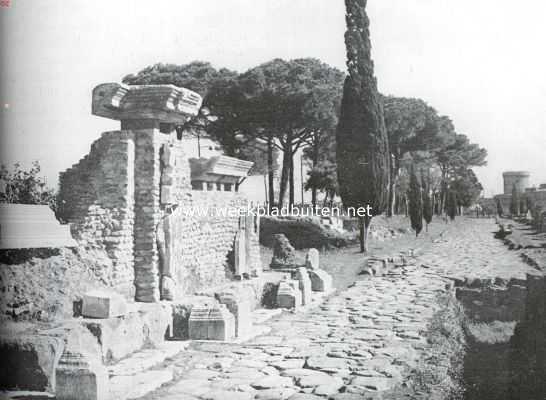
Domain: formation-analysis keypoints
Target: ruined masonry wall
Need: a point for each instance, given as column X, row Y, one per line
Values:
column 129, row 194
column 96, row 196
column 199, row 246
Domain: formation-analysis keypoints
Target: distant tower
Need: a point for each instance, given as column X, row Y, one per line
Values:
column 518, row 178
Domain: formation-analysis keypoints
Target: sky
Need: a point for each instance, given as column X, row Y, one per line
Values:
column 480, row 62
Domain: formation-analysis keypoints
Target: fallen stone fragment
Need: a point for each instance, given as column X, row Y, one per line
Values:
column 103, row 304
column 321, row 281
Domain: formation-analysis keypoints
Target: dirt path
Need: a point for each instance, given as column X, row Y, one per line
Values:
column 366, row 340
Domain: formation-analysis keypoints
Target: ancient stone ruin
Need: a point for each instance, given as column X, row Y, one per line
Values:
column 136, row 195
column 161, row 254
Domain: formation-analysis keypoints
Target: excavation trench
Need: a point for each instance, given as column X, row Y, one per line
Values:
column 505, row 333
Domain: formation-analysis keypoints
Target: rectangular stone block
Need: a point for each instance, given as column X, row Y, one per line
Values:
column 241, row 309
column 103, row 304
column 304, row 285
column 288, row 294
column 211, row 323
column 89, row 382
column 321, row 281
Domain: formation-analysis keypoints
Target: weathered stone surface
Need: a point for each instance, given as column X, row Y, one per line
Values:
column 284, row 255
column 374, row 383
column 312, row 259
column 289, row 294
column 29, row 361
column 321, row 281
column 80, row 373
column 121, row 336
column 239, row 305
column 103, row 304
column 275, row 394
column 270, row 382
column 305, row 285
column 211, row 323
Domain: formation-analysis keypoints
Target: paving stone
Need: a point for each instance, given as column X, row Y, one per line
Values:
column 375, row 383
column 317, row 380
column 327, row 363
column 274, row 394
column 289, row 364
column 270, row 382
column 226, row 394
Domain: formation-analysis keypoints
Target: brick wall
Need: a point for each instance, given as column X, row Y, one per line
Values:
column 96, row 196
column 129, row 196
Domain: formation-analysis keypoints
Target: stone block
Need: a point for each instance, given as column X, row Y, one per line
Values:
column 103, row 304
column 29, row 361
column 211, row 323
column 284, row 255
column 321, row 281
column 288, row 294
column 145, row 324
column 304, row 285
column 312, row 259
column 80, row 379
column 239, row 305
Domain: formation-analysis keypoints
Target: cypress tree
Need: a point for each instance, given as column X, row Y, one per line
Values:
column 362, row 145
column 514, row 201
column 451, row 204
column 427, row 203
column 415, row 203
column 500, row 211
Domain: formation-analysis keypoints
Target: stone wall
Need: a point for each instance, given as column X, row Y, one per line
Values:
column 96, row 196
column 130, row 196
column 201, row 246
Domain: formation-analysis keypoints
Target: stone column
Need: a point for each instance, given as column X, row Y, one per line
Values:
column 148, row 141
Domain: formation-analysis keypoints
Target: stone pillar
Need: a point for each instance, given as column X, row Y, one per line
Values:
column 147, row 210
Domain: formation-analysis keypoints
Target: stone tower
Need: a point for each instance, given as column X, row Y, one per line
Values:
column 518, row 178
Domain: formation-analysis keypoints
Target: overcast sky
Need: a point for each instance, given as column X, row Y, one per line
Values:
column 482, row 62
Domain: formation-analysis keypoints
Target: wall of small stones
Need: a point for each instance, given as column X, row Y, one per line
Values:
column 201, row 245
column 96, row 196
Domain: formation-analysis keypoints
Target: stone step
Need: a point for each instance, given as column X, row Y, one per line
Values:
column 127, row 387
column 146, row 359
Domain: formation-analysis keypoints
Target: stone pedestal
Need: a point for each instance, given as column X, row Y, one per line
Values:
column 103, row 304
column 321, row 281
column 304, row 285
column 211, row 323
column 239, row 306
column 78, row 379
column 288, row 294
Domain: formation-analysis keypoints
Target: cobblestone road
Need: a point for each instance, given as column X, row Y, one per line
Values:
column 365, row 341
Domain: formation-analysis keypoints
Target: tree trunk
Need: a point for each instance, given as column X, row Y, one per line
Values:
column 364, row 227
column 270, row 173
column 291, row 181
column 284, row 176
column 392, row 186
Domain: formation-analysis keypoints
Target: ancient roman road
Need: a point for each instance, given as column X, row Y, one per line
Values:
column 383, row 337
